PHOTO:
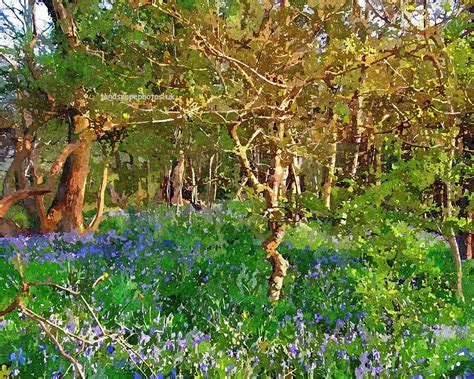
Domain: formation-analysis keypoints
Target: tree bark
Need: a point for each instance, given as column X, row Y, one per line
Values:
column 448, row 213
column 358, row 129
column 177, row 181
column 276, row 224
column 469, row 239
column 39, row 189
column 100, row 199
column 165, row 186
column 453, row 244
column 16, row 178
column 65, row 213
column 327, row 187
column 7, row 202
column 211, row 193
column 194, row 189
column 279, row 263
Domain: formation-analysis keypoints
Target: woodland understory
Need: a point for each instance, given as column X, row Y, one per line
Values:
column 236, row 188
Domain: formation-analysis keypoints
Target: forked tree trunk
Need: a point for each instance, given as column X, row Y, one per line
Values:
column 65, row 213
column 276, row 225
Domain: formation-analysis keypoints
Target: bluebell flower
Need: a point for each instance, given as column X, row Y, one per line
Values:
column 375, row 354
column 97, row 331
column 230, row 369
column 110, row 349
column 21, row 358
column 313, row 274
column 167, row 243
column 292, row 349
column 317, row 317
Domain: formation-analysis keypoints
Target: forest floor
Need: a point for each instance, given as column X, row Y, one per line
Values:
column 166, row 295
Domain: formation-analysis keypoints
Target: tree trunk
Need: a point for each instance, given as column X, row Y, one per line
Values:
column 358, row 128
column 469, row 240
column 43, row 221
column 148, row 181
column 276, row 225
column 65, row 213
column 194, row 189
column 8, row 228
column 210, row 185
column 100, row 199
column 16, row 178
column 38, row 189
column 453, row 244
column 279, row 263
column 327, row 187
column 177, row 181
column 165, row 187
column 448, row 213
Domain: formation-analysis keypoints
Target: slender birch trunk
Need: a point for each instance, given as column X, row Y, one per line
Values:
column 94, row 224
column 328, row 185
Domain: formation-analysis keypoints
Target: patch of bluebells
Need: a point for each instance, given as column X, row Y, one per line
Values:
column 194, row 327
